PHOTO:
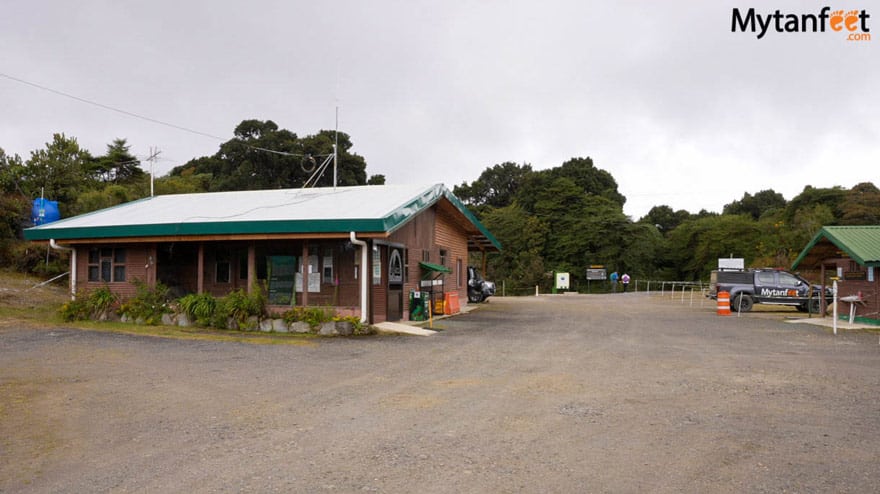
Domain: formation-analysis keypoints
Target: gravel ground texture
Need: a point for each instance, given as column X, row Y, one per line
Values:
column 567, row 393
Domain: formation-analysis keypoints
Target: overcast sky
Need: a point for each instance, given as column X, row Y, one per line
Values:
column 680, row 110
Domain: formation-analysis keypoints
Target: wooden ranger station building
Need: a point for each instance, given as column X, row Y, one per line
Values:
column 359, row 250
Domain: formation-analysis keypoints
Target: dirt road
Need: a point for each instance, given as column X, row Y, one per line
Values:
column 614, row 393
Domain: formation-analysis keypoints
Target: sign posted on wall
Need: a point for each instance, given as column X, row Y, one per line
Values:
column 281, row 277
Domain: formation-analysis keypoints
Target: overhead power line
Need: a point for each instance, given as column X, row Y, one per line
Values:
column 142, row 117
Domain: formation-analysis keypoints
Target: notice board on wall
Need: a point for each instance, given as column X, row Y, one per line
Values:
column 281, row 272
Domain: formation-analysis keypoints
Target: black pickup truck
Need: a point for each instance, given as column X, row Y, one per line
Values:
column 767, row 286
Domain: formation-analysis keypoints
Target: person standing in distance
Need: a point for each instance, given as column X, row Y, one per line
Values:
column 625, row 280
column 613, row 279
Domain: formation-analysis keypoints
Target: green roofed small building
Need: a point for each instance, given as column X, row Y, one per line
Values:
column 851, row 255
column 360, row 250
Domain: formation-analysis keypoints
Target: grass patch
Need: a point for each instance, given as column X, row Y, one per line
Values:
column 195, row 333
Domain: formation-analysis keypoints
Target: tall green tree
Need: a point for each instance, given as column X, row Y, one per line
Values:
column 756, row 205
column 861, row 206
column 696, row 245
column 263, row 156
column 60, row 172
column 664, row 218
column 117, row 165
column 589, row 180
column 14, row 205
column 832, row 198
column 592, row 180
column 496, row 187
column 523, row 236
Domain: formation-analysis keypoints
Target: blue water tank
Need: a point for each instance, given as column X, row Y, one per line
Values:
column 45, row 211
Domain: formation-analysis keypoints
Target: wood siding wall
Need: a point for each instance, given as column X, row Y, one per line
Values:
column 141, row 264
column 870, row 290
column 432, row 231
column 450, row 236
column 138, row 266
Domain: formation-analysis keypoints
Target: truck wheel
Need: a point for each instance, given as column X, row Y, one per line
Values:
column 742, row 303
column 815, row 306
column 475, row 298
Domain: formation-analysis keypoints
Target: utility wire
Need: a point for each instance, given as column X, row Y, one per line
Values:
column 142, row 117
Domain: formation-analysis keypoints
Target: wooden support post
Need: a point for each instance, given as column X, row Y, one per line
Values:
column 251, row 267
column 200, row 285
column 305, row 273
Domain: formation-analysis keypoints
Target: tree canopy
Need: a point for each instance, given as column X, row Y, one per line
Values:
column 569, row 217
column 262, row 156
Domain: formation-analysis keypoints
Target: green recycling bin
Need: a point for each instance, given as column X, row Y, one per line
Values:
column 418, row 305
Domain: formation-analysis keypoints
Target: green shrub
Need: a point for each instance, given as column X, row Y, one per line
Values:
column 75, row 310
column 314, row 316
column 220, row 317
column 239, row 305
column 200, row 307
column 94, row 305
column 206, row 310
column 148, row 304
column 101, row 301
column 295, row 314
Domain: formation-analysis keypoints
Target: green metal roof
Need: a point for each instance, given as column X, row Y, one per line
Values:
column 860, row 243
column 377, row 208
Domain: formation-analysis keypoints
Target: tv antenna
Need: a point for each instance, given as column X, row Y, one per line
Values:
column 152, row 158
column 318, row 171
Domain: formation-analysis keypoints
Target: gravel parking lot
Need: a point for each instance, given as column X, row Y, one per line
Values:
column 599, row 393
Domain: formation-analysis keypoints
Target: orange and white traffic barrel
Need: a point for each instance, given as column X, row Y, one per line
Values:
column 723, row 303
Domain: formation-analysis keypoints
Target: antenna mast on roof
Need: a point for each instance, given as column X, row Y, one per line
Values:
column 151, row 159
column 336, row 131
column 335, row 146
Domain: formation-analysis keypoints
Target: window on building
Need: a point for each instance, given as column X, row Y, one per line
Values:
column 377, row 266
column 107, row 264
column 426, row 256
column 327, row 268
column 458, row 281
column 221, row 274
column 405, row 265
column 443, row 257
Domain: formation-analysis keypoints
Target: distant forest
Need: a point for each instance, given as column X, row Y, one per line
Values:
column 562, row 219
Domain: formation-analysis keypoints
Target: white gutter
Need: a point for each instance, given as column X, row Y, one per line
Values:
column 363, row 275
column 72, row 265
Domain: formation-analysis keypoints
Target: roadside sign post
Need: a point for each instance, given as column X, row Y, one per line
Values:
column 596, row 272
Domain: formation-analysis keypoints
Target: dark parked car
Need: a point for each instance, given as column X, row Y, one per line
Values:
column 478, row 288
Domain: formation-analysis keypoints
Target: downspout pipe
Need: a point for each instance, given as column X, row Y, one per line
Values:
column 55, row 246
column 363, row 274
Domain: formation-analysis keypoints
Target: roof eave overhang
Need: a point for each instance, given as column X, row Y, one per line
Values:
column 242, row 229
